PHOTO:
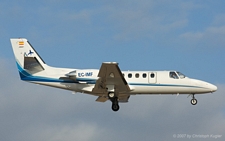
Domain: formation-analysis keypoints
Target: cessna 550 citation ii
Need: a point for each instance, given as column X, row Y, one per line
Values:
column 107, row 83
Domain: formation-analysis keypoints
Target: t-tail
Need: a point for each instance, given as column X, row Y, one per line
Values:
column 27, row 59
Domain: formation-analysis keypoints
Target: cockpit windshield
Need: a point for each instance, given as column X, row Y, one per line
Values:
column 173, row 75
column 180, row 75
column 176, row 75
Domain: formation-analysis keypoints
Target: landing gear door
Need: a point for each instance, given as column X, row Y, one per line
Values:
column 152, row 77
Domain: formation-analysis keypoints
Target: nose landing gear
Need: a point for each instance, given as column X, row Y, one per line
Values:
column 193, row 100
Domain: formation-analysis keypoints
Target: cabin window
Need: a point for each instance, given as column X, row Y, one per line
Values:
column 144, row 75
column 137, row 75
column 173, row 75
column 129, row 75
column 152, row 75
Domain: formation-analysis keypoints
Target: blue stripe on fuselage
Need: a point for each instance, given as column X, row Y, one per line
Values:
column 24, row 75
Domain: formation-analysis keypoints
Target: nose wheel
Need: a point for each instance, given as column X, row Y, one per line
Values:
column 193, row 100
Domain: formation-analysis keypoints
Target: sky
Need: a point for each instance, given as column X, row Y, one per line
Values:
column 187, row 36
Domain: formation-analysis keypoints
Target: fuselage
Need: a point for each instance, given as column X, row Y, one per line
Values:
column 140, row 82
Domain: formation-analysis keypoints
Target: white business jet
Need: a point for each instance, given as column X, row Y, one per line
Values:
column 107, row 83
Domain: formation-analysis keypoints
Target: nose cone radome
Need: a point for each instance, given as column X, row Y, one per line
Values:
column 205, row 87
column 212, row 87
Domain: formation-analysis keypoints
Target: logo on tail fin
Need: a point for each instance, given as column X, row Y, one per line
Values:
column 28, row 54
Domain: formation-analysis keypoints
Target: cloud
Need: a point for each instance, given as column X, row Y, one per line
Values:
column 79, row 131
column 219, row 20
column 154, row 21
column 211, row 37
column 148, row 18
column 124, row 21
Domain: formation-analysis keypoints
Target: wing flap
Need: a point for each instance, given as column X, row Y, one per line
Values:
column 101, row 99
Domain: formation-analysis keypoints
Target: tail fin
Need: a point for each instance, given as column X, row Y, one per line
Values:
column 27, row 59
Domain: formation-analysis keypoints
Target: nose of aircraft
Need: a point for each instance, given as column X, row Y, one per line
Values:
column 207, row 87
column 212, row 87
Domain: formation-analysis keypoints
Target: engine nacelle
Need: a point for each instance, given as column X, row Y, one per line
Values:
column 72, row 75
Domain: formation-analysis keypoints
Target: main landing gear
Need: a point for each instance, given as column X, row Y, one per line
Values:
column 114, row 100
column 193, row 100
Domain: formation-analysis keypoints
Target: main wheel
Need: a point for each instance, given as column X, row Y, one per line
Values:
column 115, row 107
column 193, row 101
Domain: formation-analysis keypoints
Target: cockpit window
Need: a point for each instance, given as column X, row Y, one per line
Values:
column 173, row 75
column 181, row 75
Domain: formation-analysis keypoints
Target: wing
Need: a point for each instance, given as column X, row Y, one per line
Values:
column 110, row 80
